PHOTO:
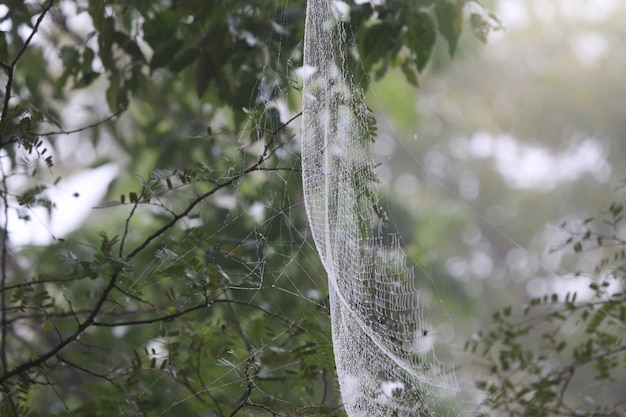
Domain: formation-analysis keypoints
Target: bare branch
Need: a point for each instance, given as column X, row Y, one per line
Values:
column 80, row 129
column 287, row 123
column 126, row 225
column 209, row 303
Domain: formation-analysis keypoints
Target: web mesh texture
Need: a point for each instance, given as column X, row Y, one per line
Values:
column 383, row 347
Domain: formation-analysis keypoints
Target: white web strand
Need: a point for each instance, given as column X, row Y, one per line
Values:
column 383, row 350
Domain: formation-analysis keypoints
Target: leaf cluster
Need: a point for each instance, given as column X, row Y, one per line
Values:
column 581, row 337
column 404, row 33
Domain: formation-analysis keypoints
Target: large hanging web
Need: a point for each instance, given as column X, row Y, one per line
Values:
column 383, row 349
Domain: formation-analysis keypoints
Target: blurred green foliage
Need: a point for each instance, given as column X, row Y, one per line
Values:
column 537, row 360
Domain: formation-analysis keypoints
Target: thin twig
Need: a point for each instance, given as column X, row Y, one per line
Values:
column 287, row 123
column 207, row 304
column 243, row 336
column 85, row 370
column 137, row 298
column 263, row 407
column 41, row 281
column 11, row 68
column 66, row 314
column 265, row 155
column 80, row 129
column 3, row 276
column 54, row 388
column 69, row 303
column 276, row 169
column 198, row 370
column 126, row 225
column 244, row 399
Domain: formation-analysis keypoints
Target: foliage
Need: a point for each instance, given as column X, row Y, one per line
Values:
column 575, row 334
column 167, row 303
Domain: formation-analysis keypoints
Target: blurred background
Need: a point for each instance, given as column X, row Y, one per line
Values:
column 500, row 145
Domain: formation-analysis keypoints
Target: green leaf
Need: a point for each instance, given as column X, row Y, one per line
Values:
column 70, row 57
column 47, row 325
column 128, row 45
column 376, row 42
column 205, row 73
column 28, row 197
column 480, row 26
column 105, row 41
column 86, row 79
column 422, row 34
column 271, row 120
column 183, row 58
column 450, row 22
column 616, row 208
column 596, row 320
column 409, row 74
column 4, row 48
column 117, row 97
column 96, row 11
column 164, row 53
column 163, row 27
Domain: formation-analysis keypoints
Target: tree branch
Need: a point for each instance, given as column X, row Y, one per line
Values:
column 41, row 281
column 3, row 273
column 64, row 344
column 207, row 304
column 244, row 399
column 266, row 154
column 80, row 129
column 126, row 225
column 10, row 69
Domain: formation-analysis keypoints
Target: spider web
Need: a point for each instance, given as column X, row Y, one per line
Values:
column 382, row 348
